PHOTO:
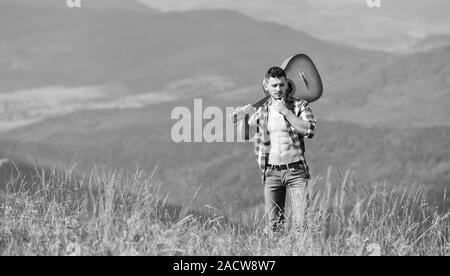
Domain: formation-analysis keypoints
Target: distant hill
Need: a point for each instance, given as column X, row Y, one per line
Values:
column 409, row 91
column 133, row 51
column 130, row 138
column 430, row 43
column 148, row 50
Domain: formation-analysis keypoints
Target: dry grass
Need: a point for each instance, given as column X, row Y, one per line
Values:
column 114, row 213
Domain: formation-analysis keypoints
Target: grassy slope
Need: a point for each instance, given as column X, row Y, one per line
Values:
column 125, row 214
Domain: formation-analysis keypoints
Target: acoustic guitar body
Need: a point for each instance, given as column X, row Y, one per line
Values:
column 303, row 76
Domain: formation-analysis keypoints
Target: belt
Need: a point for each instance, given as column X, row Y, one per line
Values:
column 294, row 165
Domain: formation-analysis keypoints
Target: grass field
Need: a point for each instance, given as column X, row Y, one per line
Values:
column 124, row 213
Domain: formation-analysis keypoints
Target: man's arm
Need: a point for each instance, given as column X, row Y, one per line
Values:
column 303, row 123
column 254, row 119
column 304, row 128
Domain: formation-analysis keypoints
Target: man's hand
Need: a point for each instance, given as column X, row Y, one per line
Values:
column 252, row 121
column 240, row 112
column 280, row 107
column 257, row 115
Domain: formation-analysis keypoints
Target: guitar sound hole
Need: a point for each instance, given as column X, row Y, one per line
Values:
column 291, row 87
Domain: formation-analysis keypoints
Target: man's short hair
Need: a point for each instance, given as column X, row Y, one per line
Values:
column 275, row 72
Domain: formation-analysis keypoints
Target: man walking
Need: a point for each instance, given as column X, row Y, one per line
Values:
column 282, row 123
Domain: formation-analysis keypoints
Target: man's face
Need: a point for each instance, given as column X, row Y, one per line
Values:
column 277, row 87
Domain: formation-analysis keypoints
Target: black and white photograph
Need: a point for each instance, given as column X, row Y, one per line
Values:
column 238, row 131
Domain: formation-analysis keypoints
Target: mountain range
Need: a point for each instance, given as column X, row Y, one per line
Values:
column 101, row 5
column 141, row 50
column 382, row 115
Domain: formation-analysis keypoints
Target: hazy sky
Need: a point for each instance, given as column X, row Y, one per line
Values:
column 394, row 26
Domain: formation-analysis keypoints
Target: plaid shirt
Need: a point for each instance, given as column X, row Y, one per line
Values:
column 262, row 138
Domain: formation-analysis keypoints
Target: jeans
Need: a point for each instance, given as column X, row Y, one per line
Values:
column 276, row 183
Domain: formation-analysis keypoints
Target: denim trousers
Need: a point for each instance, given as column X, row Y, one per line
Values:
column 277, row 182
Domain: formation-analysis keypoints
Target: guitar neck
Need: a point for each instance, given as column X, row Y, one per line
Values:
column 256, row 105
column 260, row 102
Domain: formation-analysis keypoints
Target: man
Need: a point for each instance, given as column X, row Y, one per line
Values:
column 282, row 123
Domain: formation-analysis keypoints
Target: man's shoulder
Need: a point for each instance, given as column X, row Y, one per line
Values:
column 297, row 101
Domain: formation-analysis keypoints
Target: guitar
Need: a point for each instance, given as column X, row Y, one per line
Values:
column 303, row 80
